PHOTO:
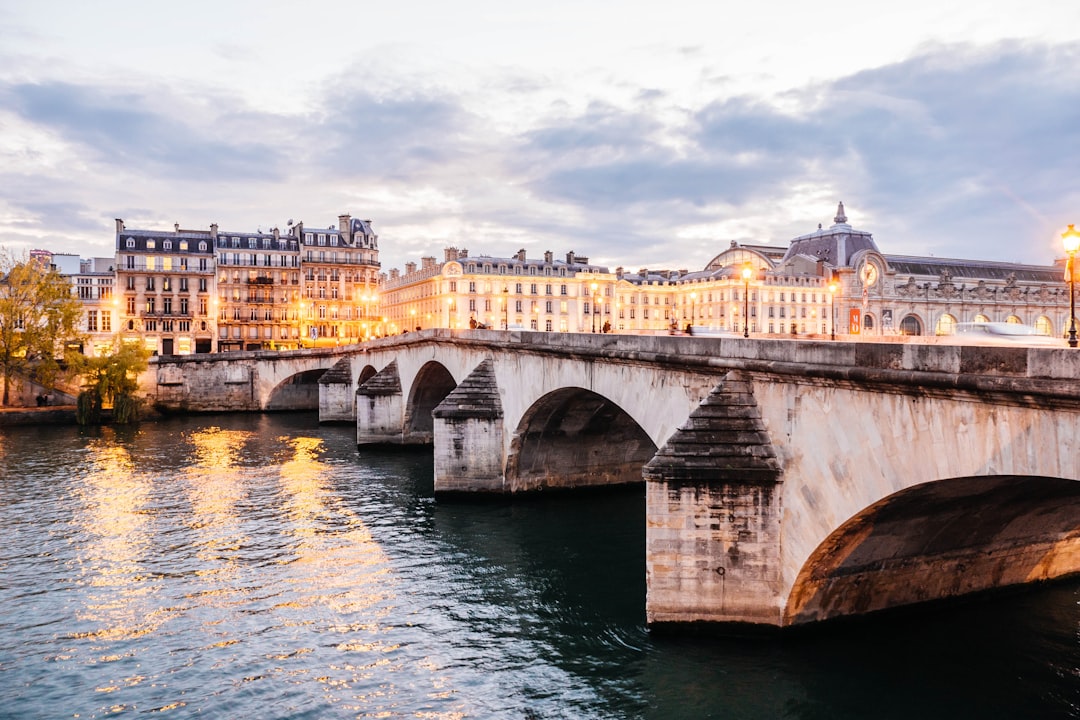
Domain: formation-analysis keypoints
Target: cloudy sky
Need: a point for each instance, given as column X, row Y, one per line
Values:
column 639, row 134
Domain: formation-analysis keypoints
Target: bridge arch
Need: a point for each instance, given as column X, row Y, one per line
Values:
column 939, row 540
column 366, row 374
column 573, row 437
column 432, row 383
column 299, row 391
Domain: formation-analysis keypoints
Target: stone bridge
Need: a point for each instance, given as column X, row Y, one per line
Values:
column 786, row 481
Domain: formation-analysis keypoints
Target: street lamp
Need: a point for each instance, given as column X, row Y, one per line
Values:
column 693, row 300
column 746, row 273
column 1071, row 238
column 594, row 286
column 832, row 308
column 506, row 308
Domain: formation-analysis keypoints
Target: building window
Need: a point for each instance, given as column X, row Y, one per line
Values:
column 106, row 321
column 91, row 321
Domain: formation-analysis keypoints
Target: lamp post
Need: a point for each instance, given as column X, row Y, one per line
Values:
column 832, row 310
column 746, row 273
column 593, row 286
column 506, row 307
column 693, row 301
column 1071, row 238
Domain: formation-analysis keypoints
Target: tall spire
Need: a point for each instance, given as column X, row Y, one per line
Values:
column 840, row 218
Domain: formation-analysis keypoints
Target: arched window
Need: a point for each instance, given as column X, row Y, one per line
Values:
column 981, row 318
column 867, row 322
column 1014, row 320
column 910, row 325
column 946, row 325
column 1043, row 326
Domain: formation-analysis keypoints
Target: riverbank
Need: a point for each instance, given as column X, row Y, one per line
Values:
column 49, row 415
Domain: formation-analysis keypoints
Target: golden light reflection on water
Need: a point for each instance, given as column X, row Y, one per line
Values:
column 331, row 575
column 113, row 541
column 345, row 571
column 215, row 487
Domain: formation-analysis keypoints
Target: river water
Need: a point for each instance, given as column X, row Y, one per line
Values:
column 259, row 566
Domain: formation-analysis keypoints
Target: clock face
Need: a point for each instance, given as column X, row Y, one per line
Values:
column 869, row 274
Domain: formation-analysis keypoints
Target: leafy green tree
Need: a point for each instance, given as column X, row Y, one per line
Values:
column 39, row 319
column 111, row 379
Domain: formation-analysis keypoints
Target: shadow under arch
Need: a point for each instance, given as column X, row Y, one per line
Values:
column 940, row 540
column 574, row 437
column 432, row 384
column 297, row 392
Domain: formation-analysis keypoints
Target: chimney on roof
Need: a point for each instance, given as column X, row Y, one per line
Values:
column 394, row 273
column 450, row 254
column 344, row 221
column 410, row 268
column 427, row 263
column 643, row 272
column 213, row 231
column 277, row 234
column 619, row 272
column 548, row 256
column 521, row 255
column 570, row 258
column 119, row 225
column 176, row 226
column 464, row 253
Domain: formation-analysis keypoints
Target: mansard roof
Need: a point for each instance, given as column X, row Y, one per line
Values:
column 972, row 269
column 530, row 262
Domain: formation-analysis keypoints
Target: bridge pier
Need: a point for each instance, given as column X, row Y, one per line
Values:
column 337, row 402
column 469, row 436
column 713, row 516
column 379, row 410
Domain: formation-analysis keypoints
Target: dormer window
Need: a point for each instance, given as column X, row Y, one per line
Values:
column 183, row 245
column 252, row 243
column 150, row 244
column 130, row 243
column 166, row 245
column 202, row 246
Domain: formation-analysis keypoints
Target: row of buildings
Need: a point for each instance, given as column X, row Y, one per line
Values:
column 191, row 291
column 832, row 281
column 195, row 291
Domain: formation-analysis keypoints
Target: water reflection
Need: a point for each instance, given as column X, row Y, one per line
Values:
column 112, row 541
column 247, row 566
